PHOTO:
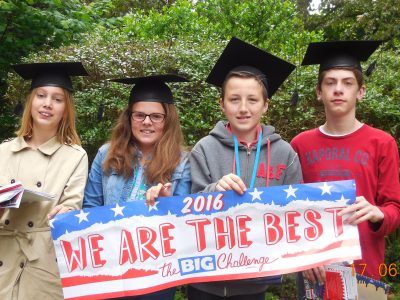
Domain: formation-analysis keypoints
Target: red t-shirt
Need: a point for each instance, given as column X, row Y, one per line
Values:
column 369, row 156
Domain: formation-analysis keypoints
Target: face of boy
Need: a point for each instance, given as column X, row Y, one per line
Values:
column 339, row 92
column 243, row 106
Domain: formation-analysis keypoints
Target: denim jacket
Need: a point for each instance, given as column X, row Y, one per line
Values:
column 103, row 189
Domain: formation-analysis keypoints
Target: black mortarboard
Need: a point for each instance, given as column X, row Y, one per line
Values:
column 151, row 88
column 241, row 56
column 51, row 74
column 339, row 54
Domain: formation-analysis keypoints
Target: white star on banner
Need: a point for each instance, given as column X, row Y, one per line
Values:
column 51, row 223
column 151, row 207
column 118, row 210
column 344, row 199
column 82, row 216
column 290, row 192
column 326, row 189
column 256, row 194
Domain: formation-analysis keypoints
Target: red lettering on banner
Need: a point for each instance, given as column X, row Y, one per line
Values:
column 199, row 225
column 337, row 220
column 127, row 249
column 166, row 239
column 291, row 236
column 242, row 231
column 273, row 231
column 74, row 258
column 146, row 238
column 315, row 231
column 224, row 232
column 95, row 250
column 167, row 270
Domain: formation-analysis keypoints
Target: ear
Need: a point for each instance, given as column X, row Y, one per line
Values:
column 265, row 107
column 221, row 104
column 319, row 93
column 361, row 93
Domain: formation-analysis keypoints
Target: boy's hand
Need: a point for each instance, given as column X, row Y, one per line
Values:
column 159, row 190
column 361, row 211
column 315, row 275
column 231, row 182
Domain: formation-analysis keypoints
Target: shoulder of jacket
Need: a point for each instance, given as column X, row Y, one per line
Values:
column 8, row 140
column 78, row 148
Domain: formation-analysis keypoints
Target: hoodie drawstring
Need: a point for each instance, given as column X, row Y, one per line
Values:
column 268, row 162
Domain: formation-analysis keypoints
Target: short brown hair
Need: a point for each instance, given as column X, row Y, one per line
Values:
column 246, row 75
column 357, row 73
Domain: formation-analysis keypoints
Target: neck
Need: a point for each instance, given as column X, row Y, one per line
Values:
column 146, row 152
column 40, row 137
column 247, row 137
column 341, row 125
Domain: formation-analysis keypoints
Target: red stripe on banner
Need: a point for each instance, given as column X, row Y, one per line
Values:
column 203, row 279
column 131, row 273
column 335, row 245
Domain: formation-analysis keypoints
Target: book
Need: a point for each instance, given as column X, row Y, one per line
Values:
column 11, row 195
column 341, row 283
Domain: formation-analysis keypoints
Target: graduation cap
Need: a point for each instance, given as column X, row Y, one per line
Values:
column 241, row 56
column 151, row 88
column 339, row 54
column 51, row 74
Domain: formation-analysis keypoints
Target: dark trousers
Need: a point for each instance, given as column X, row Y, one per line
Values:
column 167, row 294
column 195, row 294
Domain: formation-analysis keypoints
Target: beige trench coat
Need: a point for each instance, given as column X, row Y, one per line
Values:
column 28, row 268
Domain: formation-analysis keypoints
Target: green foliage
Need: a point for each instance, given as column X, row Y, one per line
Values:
column 358, row 20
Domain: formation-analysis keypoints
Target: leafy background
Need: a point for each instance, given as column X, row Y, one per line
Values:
column 119, row 38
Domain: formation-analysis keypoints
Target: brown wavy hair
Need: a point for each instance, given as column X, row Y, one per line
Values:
column 121, row 156
column 66, row 132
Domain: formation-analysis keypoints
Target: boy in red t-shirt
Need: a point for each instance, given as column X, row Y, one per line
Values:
column 344, row 148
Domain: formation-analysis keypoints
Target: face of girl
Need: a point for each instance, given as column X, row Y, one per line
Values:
column 147, row 124
column 48, row 108
column 243, row 106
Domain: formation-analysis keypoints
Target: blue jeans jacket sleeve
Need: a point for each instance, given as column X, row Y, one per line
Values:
column 94, row 187
column 181, row 181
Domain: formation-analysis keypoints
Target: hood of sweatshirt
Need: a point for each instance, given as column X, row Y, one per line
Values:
column 222, row 134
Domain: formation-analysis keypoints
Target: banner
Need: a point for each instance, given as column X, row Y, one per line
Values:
column 131, row 248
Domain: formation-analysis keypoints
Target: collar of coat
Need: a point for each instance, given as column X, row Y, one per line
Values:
column 47, row 148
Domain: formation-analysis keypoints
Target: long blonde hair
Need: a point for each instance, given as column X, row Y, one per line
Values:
column 122, row 154
column 66, row 132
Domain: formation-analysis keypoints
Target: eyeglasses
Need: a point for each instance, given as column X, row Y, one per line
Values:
column 154, row 117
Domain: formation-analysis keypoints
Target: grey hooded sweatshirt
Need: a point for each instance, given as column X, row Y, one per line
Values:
column 213, row 157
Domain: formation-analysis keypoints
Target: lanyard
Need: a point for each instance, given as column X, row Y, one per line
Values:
column 255, row 167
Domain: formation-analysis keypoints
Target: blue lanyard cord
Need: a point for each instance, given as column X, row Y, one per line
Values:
column 255, row 166
column 237, row 155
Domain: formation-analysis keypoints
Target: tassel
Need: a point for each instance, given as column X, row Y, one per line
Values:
column 100, row 113
column 371, row 68
column 295, row 98
column 18, row 109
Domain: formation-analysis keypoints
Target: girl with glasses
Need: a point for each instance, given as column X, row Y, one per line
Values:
column 144, row 158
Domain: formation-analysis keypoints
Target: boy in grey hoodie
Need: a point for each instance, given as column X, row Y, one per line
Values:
column 242, row 152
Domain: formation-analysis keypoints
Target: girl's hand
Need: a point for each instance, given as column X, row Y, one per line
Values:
column 59, row 209
column 159, row 190
column 231, row 182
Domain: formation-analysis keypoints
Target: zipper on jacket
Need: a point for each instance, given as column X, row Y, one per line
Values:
column 248, row 152
column 225, row 291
